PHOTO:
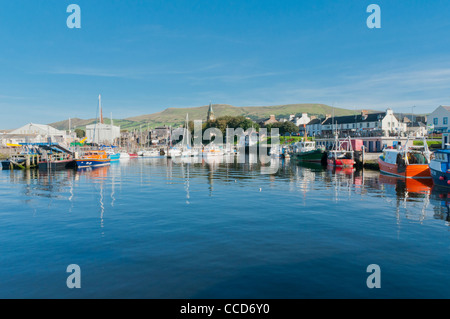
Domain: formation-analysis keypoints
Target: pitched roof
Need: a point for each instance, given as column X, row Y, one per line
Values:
column 45, row 129
column 315, row 121
column 372, row 117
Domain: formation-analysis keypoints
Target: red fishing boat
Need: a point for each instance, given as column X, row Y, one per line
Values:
column 342, row 154
column 406, row 162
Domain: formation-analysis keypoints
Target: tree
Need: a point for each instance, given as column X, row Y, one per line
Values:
column 80, row 133
column 289, row 127
column 283, row 127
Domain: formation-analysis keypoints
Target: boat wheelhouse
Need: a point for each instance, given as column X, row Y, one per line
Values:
column 306, row 151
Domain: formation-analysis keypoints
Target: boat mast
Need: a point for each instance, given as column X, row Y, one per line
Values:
column 112, row 139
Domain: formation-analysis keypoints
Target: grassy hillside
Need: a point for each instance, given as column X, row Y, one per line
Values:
column 177, row 116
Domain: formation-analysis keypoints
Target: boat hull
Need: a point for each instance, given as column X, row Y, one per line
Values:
column 84, row 163
column 408, row 171
column 7, row 164
column 441, row 179
column 311, row 156
column 114, row 157
column 57, row 165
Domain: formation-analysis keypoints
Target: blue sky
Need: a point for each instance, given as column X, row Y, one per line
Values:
column 145, row 56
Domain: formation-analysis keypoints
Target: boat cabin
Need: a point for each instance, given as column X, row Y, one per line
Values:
column 96, row 154
column 440, row 162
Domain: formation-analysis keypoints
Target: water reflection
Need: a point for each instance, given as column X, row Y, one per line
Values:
column 413, row 200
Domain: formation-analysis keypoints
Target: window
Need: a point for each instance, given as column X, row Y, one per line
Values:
column 435, row 121
column 445, row 120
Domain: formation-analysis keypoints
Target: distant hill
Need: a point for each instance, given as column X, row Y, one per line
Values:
column 176, row 116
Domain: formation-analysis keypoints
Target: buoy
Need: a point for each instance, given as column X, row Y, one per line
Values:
column 261, row 189
column 441, row 178
column 448, row 182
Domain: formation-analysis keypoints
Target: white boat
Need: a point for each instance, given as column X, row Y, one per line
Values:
column 151, row 153
column 276, row 152
column 124, row 155
column 174, row 152
column 212, row 150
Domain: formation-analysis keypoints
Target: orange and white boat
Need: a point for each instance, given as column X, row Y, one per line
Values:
column 407, row 162
column 93, row 159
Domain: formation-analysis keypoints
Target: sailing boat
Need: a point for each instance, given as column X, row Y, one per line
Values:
column 186, row 150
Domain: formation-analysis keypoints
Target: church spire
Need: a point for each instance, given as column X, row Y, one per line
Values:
column 210, row 116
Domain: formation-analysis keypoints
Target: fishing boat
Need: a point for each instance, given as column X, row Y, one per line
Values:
column 133, row 155
column 342, row 154
column 407, row 161
column 93, row 159
column 440, row 168
column 306, row 151
column 57, row 161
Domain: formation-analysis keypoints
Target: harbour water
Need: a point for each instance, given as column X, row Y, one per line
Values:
column 152, row 228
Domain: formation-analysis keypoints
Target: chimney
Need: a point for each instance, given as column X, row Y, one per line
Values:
column 272, row 117
column 364, row 114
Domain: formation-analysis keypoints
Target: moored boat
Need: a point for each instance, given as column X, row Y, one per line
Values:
column 150, row 153
column 114, row 157
column 93, row 159
column 306, row 151
column 10, row 164
column 440, row 168
column 342, row 154
column 212, row 150
column 406, row 162
column 124, row 156
column 57, row 162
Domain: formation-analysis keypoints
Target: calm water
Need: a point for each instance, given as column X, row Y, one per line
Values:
column 151, row 228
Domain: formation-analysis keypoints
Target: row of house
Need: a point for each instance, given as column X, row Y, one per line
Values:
column 365, row 124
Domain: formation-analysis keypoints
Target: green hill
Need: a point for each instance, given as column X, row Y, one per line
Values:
column 176, row 116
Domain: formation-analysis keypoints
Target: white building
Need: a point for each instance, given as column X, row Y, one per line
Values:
column 102, row 133
column 314, row 127
column 303, row 120
column 36, row 133
column 386, row 123
column 438, row 120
